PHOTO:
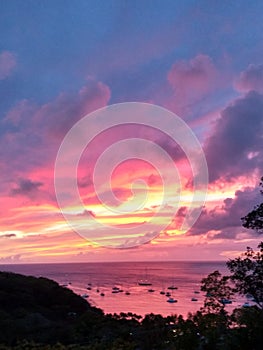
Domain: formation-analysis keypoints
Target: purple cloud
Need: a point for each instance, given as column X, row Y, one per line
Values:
column 31, row 134
column 7, row 235
column 251, row 79
column 226, row 219
column 193, row 79
column 235, row 147
column 26, row 187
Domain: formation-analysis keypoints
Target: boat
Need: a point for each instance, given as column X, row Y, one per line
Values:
column 84, row 296
column 225, row 301
column 127, row 293
column 88, row 288
column 65, row 285
column 162, row 292
column 196, row 292
column 172, row 287
column 171, row 300
column 115, row 290
column 246, row 304
column 150, row 290
column 168, row 294
column 144, row 281
column 102, row 294
column 194, row 299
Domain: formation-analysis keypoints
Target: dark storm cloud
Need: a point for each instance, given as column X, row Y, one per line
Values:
column 227, row 218
column 235, row 147
column 26, row 187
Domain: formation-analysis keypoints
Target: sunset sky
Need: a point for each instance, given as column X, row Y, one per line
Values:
column 61, row 60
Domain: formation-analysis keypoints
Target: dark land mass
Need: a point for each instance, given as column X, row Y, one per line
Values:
column 37, row 313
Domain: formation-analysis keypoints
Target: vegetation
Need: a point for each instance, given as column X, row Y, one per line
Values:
column 36, row 313
column 254, row 219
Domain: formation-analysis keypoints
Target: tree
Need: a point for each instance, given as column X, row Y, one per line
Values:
column 247, row 274
column 247, row 270
column 218, row 292
column 254, row 219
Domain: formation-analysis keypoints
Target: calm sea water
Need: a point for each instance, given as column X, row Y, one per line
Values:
column 186, row 276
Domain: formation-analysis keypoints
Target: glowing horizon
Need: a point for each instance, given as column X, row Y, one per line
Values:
column 184, row 57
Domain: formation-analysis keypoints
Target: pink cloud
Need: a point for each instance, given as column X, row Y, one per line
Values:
column 7, row 64
column 58, row 116
column 251, row 79
column 193, row 79
column 31, row 140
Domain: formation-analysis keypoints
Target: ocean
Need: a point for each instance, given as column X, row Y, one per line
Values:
column 102, row 277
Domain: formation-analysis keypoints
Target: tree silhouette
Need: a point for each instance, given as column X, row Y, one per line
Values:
column 247, row 270
column 254, row 219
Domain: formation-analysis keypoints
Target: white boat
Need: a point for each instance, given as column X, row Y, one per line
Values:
column 85, row 296
column 116, row 288
column 171, row 300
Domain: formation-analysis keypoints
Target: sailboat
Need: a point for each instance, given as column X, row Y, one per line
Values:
column 145, row 281
column 172, row 287
column 162, row 292
column 115, row 290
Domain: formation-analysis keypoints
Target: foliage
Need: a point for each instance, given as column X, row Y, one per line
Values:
column 254, row 219
column 26, row 314
column 247, row 274
column 218, row 292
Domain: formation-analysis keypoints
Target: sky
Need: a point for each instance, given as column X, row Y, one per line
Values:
column 62, row 60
